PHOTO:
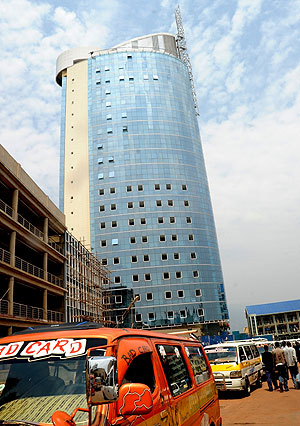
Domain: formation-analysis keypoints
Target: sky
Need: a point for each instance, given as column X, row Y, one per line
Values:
column 245, row 56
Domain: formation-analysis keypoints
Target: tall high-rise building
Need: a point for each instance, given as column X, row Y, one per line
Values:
column 133, row 181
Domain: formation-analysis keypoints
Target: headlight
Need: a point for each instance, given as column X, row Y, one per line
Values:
column 235, row 374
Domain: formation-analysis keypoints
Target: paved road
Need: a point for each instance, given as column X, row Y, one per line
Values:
column 261, row 407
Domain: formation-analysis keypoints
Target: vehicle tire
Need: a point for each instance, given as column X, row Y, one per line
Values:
column 247, row 388
column 258, row 381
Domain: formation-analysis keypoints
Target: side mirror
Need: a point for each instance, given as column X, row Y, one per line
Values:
column 134, row 398
column 101, row 380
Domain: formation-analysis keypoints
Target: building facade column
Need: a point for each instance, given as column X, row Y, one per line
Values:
column 12, row 247
column 45, row 230
column 10, row 296
column 45, row 266
column 45, row 305
column 15, row 201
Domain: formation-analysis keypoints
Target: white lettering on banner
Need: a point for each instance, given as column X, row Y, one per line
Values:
column 66, row 347
column 10, row 350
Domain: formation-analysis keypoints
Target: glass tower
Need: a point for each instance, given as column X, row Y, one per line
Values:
column 133, row 179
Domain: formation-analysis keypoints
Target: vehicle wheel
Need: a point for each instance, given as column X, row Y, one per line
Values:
column 258, row 381
column 247, row 388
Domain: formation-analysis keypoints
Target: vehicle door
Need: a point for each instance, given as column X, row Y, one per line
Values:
column 136, row 364
column 184, row 403
column 251, row 368
column 243, row 361
column 207, row 410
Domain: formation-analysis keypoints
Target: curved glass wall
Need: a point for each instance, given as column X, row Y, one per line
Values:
column 151, row 215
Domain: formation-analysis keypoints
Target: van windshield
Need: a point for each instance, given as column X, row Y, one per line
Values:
column 219, row 355
column 43, row 377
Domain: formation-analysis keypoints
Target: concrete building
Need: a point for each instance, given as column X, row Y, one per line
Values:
column 32, row 261
column 281, row 319
column 46, row 274
column 133, row 181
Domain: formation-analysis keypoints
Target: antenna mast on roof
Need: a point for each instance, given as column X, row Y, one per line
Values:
column 183, row 53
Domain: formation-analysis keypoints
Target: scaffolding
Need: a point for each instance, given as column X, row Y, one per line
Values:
column 183, row 53
column 88, row 285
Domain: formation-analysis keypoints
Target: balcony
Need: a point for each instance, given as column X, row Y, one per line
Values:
column 6, row 208
column 30, row 227
column 37, row 272
column 4, row 256
column 30, row 312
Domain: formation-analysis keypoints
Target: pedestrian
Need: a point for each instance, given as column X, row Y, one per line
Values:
column 279, row 362
column 291, row 361
column 267, row 360
column 297, row 348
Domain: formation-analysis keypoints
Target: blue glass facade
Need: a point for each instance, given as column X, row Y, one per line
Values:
column 151, row 215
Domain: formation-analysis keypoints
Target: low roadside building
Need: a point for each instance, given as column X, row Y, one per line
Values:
column 280, row 319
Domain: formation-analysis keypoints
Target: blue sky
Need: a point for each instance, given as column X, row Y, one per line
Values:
column 246, row 62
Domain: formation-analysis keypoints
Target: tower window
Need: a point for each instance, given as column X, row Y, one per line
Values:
column 128, row 188
column 195, row 274
column 134, row 259
column 106, row 69
column 118, row 298
column 188, row 220
column 160, row 220
column 114, row 224
column 112, row 190
column 124, row 114
column 107, row 92
column 164, row 256
column 170, row 315
column 102, row 208
column 131, row 222
column 183, row 313
column 155, row 77
column 109, row 130
column 191, row 237
column 186, row 203
column 146, row 258
column 117, row 280
column 113, row 207
column 132, row 240
column 103, row 243
column 162, row 238
column 172, row 219
column 140, row 188
column 143, row 221
column 170, row 203
column 111, row 174
column 100, row 146
column 121, row 78
column 108, row 117
column 141, row 203
column 193, row 256
column 200, row 312
column 174, row 237
column 178, row 274
column 144, row 239
column 149, row 296
column 180, row 293
column 146, row 77
column 138, row 317
column 125, row 129
column 130, row 205
column 166, row 275
column 184, row 187
column 104, row 262
column 151, row 316
column 198, row 292
column 115, row 241
column 116, row 260
column 135, row 278
column 168, row 294
column 176, row 256
column 102, row 225
column 131, row 78
column 158, row 203
column 111, row 159
column 100, row 176
column 101, row 191
column 168, row 186
column 147, row 277
column 157, row 187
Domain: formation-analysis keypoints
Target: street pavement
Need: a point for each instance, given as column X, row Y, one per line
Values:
column 261, row 407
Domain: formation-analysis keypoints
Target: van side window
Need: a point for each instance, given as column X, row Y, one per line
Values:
column 175, row 369
column 141, row 371
column 255, row 351
column 248, row 352
column 198, row 364
column 242, row 354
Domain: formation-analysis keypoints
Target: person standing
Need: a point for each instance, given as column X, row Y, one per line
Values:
column 291, row 360
column 267, row 360
column 279, row 363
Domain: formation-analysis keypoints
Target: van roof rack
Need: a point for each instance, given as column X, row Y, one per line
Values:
column 61, row 327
